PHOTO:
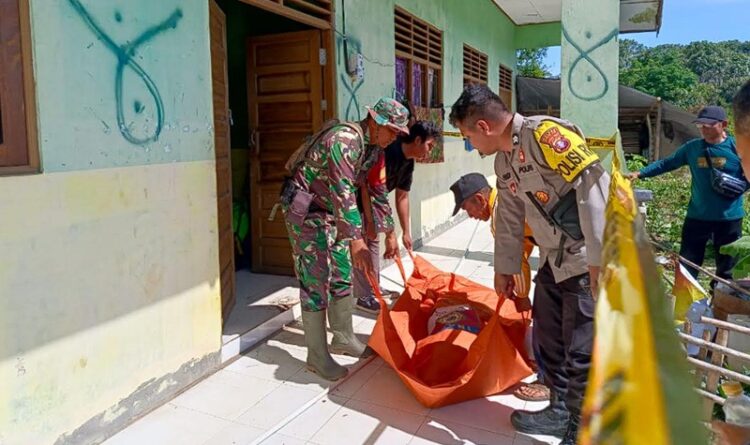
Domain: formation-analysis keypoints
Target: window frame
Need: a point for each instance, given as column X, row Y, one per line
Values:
column 505, row 85
column 475, row 66
column 19, row 152
column 409, row 33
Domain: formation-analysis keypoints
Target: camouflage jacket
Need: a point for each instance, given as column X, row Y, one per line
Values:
column 333, row 171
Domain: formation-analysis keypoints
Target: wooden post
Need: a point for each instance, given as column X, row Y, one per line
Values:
column 657, row 142
column 712, row 380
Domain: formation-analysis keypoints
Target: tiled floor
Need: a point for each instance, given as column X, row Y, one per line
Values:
column 259, row 297
column 264, row 392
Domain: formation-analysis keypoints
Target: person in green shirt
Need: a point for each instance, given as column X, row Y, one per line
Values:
column 710, row 215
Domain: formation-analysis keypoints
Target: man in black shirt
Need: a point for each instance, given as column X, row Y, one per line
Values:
column 398, row 173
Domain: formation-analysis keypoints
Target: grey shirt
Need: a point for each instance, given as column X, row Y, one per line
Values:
column 549, row 159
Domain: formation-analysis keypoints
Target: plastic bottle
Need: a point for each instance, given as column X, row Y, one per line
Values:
column 737, row 404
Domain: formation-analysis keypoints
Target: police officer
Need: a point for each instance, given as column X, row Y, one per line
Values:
column 324, row 226
column 547, row 176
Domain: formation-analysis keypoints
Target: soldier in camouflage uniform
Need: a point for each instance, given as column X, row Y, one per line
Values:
column 325, row 226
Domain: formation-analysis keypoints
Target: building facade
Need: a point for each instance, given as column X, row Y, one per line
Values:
column 129, row 128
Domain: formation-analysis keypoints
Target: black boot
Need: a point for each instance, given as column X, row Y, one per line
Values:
column 571, row 434
column 551, row 421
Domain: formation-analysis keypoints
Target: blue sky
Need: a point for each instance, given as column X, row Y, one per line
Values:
column 687, row 21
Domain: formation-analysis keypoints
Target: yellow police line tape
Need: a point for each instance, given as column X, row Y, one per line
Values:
column 639, row 389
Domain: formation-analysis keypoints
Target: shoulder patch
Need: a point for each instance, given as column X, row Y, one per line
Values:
column 564, row 150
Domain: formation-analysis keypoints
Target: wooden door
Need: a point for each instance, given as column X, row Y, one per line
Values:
column 217, row 24
column 285, row 93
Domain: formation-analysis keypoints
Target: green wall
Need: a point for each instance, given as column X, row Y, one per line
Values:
column 369, row 30
column 538, row 36
column 165, row 99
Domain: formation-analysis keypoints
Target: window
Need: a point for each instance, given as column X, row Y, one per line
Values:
column 18, row 152
column 505, row 89
column 419, row 61
column 475, row 66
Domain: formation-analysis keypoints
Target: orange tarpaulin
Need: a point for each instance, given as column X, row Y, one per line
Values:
column 452, row 365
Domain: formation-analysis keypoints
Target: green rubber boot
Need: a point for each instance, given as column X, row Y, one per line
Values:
column 344, row 341
column 319, row 360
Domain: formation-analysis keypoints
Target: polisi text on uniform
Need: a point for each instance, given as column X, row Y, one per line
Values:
column 573, row 159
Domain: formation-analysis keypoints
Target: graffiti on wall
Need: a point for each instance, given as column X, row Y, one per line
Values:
column 584, row 55
column 353, row 101
column 347, row 46
column 125, row 56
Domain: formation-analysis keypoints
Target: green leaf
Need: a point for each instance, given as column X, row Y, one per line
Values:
column 740, row 248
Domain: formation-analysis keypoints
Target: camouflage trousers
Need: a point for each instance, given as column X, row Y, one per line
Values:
column 321, row 262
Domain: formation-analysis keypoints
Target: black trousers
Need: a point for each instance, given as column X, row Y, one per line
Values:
column 695, row 236
column 564, row 326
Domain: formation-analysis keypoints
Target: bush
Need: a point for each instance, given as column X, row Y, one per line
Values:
column 635, row 162
column 666, row 212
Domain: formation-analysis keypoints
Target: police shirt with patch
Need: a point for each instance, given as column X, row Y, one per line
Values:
column 549, row 160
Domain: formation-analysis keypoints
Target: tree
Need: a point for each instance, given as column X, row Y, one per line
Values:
column 661, row 73
column 691, row 76
column 630, row 50
column 530, row 63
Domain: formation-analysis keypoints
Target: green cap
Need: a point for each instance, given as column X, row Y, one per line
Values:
column 391, row 113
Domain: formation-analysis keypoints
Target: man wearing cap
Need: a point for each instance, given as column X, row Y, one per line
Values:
column 546, row 176
column 394, row 171
column 710, row 215
column 325, row 227
column 473, row 194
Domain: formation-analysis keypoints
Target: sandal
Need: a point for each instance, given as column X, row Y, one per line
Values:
column 533, row 392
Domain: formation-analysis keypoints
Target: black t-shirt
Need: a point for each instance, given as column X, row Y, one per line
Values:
column 399, row 171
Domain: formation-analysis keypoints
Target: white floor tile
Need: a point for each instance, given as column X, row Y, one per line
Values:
column 235, row 434
column 170, row 425
column 439, row 432
column 267, row 362
column 480, row 413
column 385, row 388
column 364, row 423
column 276, row 406
column 354, row 382
column 310, row 381
column 365, row 326
column 530, row 439
column 535, row 406
column 279, row 439
column 292, row 335
column 245, row 317
column 508, row 400
column 309, row 422
column 225, row 394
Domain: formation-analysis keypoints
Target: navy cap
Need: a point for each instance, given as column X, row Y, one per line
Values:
column 466, row 186
column 711, row 115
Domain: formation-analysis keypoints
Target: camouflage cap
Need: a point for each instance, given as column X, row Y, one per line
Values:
column 391, row 113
